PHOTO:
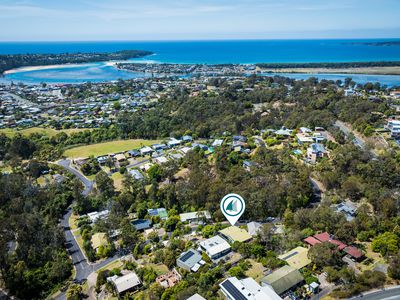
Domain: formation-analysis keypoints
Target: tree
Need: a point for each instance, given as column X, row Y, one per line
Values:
column 105, row 184
column 394, row 266
column 386, row 243
column 236, row 271
column 129, row 235
column 325, row 254
column 155, row 173
column 74, row 292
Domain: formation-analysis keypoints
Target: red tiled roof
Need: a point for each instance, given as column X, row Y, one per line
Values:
column 323, row 237
column 353, row 251
column 340, row 245
column 311, row 241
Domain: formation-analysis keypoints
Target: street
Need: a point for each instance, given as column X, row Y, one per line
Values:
column 358, row 140
column 385, row 294
column 88, row 184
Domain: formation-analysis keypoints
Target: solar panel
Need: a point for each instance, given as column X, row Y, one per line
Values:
column 231, row 289
column 187, row 256
column 290, row 255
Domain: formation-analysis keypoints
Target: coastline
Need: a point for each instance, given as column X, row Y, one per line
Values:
column 395, row 70
column 44, row 67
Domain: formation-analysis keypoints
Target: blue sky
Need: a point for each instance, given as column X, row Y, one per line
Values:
column 43, row 20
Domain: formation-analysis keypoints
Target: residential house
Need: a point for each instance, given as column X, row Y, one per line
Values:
column 98, row 215
column 217, row 143
column 160, row 212
column 173, row 142
column 196, row 217
column 102, row 159
column 394, row 127
column 296, row 258
column 196, row 297
column 215, row 247
column 170, row 279
column 354, row 253
column 316, row 151
column 246, row 289
column 253, row 228
column 134, row 153
column 125, row 283
column 187, row 139
column 190, row 260
column 235, row 234
column 348, row 208
column 146, row 150
column 158, row 147
column 136, row 174
column 284, row 279
column 141, row 224
column 161, row 160
column 120, row 157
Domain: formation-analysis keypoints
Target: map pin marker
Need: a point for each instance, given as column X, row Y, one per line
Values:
column 232, row 206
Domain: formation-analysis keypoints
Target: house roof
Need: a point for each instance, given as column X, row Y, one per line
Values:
column 215, row 245
column 161, row 212
column 339, row 244
column 196, row 297
column 190, row 258
column 311, row 241
column 323, row 237
column 253, row 228
column 235, row 234
column 283, row 279
column 126, row 282
column 194, row 215
column 247, row 288
column 296, row 258
column 141, row 224
column 353, row 251
column 120, row 157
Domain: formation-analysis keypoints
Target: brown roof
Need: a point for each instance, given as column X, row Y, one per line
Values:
column 339, row 244
column 323, row 237
column 353, row 251
column 311, row 241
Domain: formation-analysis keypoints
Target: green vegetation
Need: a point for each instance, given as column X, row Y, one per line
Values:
column 106, row 148
column 29, row 219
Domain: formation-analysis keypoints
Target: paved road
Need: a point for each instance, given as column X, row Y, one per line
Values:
column 137, row 163
column 357, row 140
column 387, row 294
column 82, row 267
column 88, row 184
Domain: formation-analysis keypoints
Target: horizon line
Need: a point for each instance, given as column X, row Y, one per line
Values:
column 201, row 40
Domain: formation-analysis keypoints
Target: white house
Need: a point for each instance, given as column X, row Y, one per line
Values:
column 247, row 288
column 195, row 217
column 215, row 247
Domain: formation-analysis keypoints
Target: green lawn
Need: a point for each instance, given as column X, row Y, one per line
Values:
column 117, row 178
column 159, row 268
column 107, row 148
column 47, row 131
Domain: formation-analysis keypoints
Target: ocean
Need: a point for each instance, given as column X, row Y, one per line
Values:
column 207, row 52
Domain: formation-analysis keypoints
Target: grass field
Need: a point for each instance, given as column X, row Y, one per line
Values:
column 47, row 131
column 117, row 178
column 106, row 148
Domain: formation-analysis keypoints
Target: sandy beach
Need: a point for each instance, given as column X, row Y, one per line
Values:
column 38, row 68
